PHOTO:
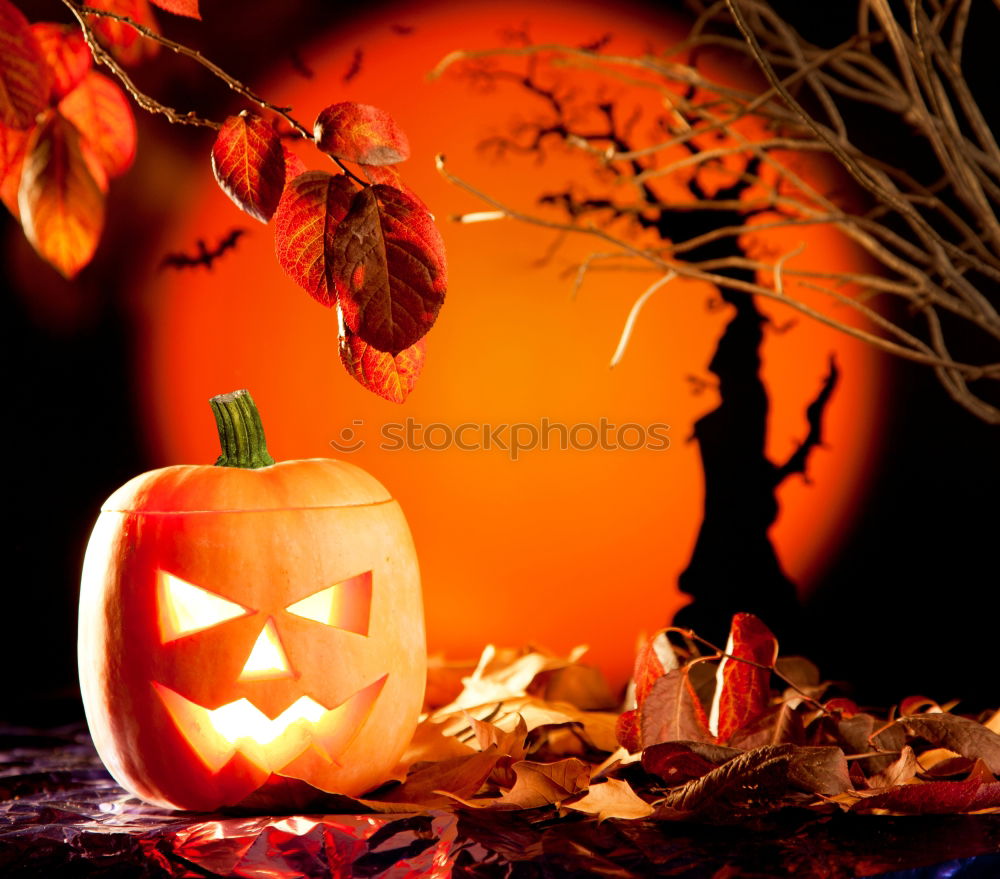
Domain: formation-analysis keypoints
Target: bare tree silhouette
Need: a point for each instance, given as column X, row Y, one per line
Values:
column 734, row 566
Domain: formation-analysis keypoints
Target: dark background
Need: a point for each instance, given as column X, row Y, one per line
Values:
column 910, row 606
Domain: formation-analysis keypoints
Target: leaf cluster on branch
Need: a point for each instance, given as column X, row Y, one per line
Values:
column 930, row 229
column 357, row 240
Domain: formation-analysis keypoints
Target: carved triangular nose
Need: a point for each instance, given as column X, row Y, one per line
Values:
column 267, row 658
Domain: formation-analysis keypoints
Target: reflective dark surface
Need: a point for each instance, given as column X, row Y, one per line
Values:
column 62, row 815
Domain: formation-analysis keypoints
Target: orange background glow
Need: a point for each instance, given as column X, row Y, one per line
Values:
column 559, row 547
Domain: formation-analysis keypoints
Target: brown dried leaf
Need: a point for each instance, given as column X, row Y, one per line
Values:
column 958, row 734
column 780, row 724
column 900, row 771
column 611, row 799
column 671, row 711
column 545, row 784
column 980, row 792
column 461, row 776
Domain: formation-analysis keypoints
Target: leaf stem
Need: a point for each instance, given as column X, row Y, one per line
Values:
column 102, row 56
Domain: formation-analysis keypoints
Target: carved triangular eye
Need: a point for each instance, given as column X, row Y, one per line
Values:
column 186, row 608
column 345, row 605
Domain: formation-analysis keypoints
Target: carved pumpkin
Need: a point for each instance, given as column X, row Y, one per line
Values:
column 250, row 622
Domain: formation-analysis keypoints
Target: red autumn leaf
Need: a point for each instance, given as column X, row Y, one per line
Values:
column 978, row 792
column 672, row 711
column 13, row 145
column 678, row 762
column 627, row 731
column 66, row 52
column 773, row 727
column 360, row 133
column 390, row 176
column 101, row 113
column 248, row 161
column 389, row 268
column 653, row 661
column 62, row 208
column 742, row 690
column 391, row 377
column 25, row 79
column 180, row 7
column 125, row 43
column 294, row 166
column 305, row 222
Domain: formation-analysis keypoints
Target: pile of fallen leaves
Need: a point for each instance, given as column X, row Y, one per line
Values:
column 715, row 735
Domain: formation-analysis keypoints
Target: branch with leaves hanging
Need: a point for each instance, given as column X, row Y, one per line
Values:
column 358, row 240
column 935, row 239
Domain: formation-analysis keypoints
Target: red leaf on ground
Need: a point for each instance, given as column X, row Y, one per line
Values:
column 627, row 731
column 13, row 146
column 180, row 7
column 389, row 265
column 654, row 659
column 25, row 79
column 672, row 711
column 66, row 53
column 248, row 161
column 677, row 762
column 305, row 222
column 102, row 115
column 979, row 791
column 775, row 726
column 360, row 133
column 125, row 43
column 391, row 377
column 742, row 691
column 62, row 208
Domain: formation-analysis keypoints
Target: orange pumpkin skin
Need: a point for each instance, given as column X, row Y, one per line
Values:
column 260, row 541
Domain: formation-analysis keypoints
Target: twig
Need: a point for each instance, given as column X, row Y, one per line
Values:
column 633, row 316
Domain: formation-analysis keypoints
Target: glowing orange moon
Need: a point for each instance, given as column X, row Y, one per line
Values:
column 559, row 547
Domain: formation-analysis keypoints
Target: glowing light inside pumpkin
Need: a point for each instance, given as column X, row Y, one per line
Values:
column 267, row 657
column 345, row 605
column 241, row 719
column 186, row 608
column 217, row 734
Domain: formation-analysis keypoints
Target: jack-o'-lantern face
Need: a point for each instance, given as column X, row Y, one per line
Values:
column 225, row 642
column 271, row 742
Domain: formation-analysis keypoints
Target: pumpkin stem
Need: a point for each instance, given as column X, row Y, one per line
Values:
column 241, row 433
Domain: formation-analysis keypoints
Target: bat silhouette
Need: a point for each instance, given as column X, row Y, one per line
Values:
column 404, row 30
column 205, row 256
column 355, row 67
column 299, row 65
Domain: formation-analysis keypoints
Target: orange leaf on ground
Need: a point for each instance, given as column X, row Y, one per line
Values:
column 25, row 79
column 99, row 110
column 389, row 268
column 611, row 799
column 742, row 690
column 180, row 7
column 66, row 53
column 248, row 160
column 62, row 208
column 308, row 214
column 391, row 377
column 360, row 133
column 125, row 43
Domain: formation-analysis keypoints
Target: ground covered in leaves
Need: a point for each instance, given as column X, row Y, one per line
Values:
column 716, row 736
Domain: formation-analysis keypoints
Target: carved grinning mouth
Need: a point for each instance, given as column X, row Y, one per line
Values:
column 217, row 734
